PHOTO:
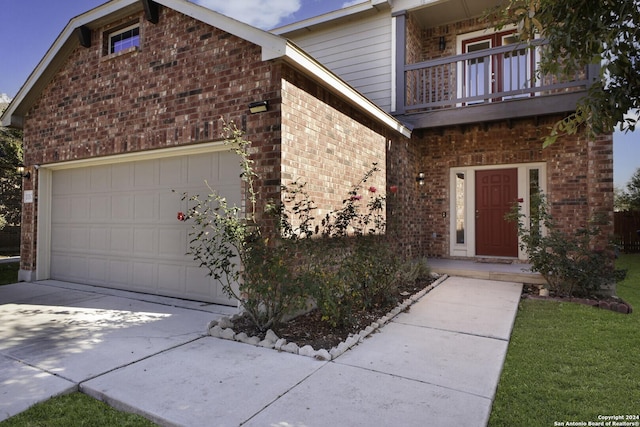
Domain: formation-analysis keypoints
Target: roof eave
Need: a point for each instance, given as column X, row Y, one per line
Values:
column 331, row 17
column 301, row 59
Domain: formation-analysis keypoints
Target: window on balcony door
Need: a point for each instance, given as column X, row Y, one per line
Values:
column 507, row 73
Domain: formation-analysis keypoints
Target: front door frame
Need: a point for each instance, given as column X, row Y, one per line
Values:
column 463, row 206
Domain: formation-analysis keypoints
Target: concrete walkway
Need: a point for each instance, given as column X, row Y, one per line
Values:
column 437, row 365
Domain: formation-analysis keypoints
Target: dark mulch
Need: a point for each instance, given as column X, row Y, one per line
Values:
column 310, row 329
column 606, row 302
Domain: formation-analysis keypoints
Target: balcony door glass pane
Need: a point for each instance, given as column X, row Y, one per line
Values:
column 515, row 69
column 477, row 70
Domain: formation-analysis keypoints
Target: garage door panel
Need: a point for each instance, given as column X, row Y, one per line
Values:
column 201, row 169
column 145, row 242
column 172, row 172
column 121, row 207
column 79, row 209
column 119, row 228
column 99, row 238
column 121, row 177
column 99, row 208
column 120, row 240
column 100, row 178
column 145, row 207
column 119, row 274
column 145, row 175
column 145, row 276
column 98, row 271
column 78, row 238
column 62, row 206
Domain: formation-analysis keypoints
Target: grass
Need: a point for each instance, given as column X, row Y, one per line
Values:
column 75, row 409
column 9, row 273
column 570, row 362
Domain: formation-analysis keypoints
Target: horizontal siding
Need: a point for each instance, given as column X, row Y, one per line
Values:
column 358, row 53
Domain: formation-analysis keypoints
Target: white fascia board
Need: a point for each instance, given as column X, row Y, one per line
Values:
column 273, row 46
column 331, row 16
column 310, row 65
column 65, row 36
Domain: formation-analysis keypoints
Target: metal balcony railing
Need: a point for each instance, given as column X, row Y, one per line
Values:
column 486, row 76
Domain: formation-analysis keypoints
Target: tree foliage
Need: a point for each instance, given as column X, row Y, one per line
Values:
column 629, row 200
column 10, row 181
column 580, row 33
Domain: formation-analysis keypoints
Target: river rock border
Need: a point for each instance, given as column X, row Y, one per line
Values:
column 223, row 328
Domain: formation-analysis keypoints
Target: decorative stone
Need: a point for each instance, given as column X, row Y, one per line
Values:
column 335, row 352
column 352, row 340
column 290, row 348
column 279, row 343
column 228, row 334
column 241, row 337
column 267, row 344
column 322, row 355
column 271, row 336
column 216, row 331
column 211, row 324
column 225, row 322
column 307, row 350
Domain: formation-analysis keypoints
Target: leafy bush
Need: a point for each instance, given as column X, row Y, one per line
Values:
column 255, row 270
column 343, row 261
column 568, row 262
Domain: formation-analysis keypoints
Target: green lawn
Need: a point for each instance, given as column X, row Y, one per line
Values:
column 73, row 410
column 570, row 362
column 9, row 273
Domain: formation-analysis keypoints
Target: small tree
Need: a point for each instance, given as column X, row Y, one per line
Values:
column 568, row 262
column 630, row 200
column 10, row 181
column 579, row 34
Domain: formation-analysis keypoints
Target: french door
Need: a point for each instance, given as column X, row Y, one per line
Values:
column 509, row 72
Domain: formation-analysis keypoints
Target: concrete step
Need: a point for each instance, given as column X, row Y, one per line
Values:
column 477, row 269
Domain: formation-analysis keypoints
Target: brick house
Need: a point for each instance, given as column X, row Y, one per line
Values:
column 125, row 107
column 477, row 116
column 448, row 109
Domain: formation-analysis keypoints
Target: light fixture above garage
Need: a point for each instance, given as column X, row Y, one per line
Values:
column 420, row 178
column 20, row 170
column 258, row 107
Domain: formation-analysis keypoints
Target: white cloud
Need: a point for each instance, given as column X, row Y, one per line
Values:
column 352, row 2
column 264, row 14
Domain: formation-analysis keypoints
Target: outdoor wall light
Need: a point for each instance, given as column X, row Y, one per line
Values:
column 20, row 170
column 258, row 107
column 442, row 44
column 420, row 178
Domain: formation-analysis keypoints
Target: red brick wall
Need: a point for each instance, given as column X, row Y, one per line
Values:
column 172, row 91
column 324, row 147
column 579, row 175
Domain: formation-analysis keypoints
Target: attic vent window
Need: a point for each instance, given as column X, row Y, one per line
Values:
column 124, row 39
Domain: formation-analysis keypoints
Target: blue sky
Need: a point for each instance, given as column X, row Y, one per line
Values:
column 29, row 27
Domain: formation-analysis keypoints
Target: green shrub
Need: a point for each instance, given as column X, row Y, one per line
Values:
column 342, row 261
column 568, row 262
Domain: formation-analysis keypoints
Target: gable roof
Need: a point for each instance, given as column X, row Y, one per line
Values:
column 273, row 47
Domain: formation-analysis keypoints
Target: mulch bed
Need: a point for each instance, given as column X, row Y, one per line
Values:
column 598, row 301
column 310, row 329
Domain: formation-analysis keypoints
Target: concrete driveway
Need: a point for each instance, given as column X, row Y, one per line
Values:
column 438, row 364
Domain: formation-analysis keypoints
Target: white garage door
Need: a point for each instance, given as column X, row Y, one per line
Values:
column 115, row 225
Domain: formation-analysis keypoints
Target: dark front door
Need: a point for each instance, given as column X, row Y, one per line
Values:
column 496, row 191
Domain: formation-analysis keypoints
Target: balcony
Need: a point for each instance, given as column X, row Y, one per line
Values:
column 486, row 85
